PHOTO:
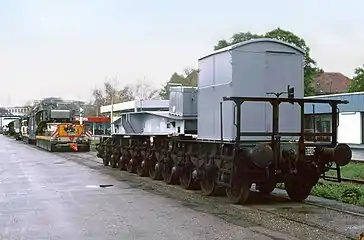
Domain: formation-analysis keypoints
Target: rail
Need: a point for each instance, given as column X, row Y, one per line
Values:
column 355, row 181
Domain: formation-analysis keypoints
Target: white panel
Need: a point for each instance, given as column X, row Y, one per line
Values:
column 350, row 129
column 206, row 72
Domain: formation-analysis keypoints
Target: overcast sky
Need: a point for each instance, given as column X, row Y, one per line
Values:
column 67, row 47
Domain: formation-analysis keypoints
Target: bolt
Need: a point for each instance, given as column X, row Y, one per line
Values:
column 194, row 174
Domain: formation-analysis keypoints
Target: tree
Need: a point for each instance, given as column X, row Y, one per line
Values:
column 357, row 83
column 310, row 69
column 189, row 78
column 141, row 90
column 236, row 38
column 110, row 93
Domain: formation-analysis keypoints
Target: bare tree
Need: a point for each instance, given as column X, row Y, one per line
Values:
column 143, row 90
column 103, row 96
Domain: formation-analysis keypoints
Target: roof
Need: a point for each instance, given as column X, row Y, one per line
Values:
column 336, row 95
column 240, row 44
column 355, row 104
column 164, row 114
column 135, row 104
column 331, row 82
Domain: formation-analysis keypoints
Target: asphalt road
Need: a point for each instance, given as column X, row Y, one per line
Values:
column 44, row 196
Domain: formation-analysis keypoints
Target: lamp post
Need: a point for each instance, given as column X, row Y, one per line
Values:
column 112, row 104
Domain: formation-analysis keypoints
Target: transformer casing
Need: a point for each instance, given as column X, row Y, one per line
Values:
column 248, row 69
column 183, row 101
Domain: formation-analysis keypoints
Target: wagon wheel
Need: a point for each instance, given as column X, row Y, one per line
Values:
column 266, row 187
column 186, row 178
column 114, row 160
column 123, row 162
column 142, row 166
column 167, row 172
column 297, row 189
column 105, row 158
column 154, row 167
column 208, row 183
column 130, row 167
column 239, row 192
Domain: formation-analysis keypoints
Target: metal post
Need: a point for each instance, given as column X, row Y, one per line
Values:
column 112, row 105
column 314, row 122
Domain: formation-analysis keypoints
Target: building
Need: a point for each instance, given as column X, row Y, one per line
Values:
column 331, row 83
column 8, row 114
column 174, row 116
column 133, row 106
column 350, row 119
column 18, row 110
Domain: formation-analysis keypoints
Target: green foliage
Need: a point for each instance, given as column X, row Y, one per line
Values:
column 236, row 38
column 350, row 171
column 343, row 192
column 351, row 195
column 188, row 79
column 357, row 83
column 310, row 69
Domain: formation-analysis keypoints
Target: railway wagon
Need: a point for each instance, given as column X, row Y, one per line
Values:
column 50, row 127
column 14, row 129
column 243, row 125
column 24, row 133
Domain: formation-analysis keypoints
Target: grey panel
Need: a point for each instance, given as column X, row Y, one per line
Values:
column 60, row 114
column 356, row 103
column 183, row 101
column 250, row 70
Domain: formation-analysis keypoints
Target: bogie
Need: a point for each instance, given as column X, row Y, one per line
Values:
column 214, row 168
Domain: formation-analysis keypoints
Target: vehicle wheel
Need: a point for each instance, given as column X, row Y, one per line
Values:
column 106, row 159
column 114, row 161
column 297, row 189
column 239, row 192
column 208, row 183
column 155, row 171
column 142, row 169
column 168, row 174
column 123, row 161
column 131, row 166
column 186, row 179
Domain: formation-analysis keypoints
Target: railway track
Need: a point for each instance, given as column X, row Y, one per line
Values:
column 355, row 181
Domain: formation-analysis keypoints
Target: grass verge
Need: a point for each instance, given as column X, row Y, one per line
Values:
column 352, row 171
column 344, row 192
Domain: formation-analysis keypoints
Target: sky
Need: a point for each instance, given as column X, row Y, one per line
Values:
column 66, row 48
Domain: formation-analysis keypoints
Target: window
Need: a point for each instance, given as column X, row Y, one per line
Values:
column 323, row 126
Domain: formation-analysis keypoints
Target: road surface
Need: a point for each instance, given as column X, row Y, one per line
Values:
column 44, row 196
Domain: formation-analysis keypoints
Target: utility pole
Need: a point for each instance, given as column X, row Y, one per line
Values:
column 112, row 104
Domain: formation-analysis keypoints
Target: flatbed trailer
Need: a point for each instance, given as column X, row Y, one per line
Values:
column 64, row 137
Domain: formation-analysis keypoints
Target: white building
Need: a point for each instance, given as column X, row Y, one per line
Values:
column 350, row 119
